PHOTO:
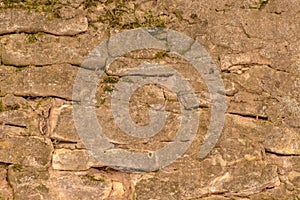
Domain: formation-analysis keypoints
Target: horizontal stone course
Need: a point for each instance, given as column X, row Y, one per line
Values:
column 40, row 183
column 55, row 80
column 42, row 49
column 255, row 46
column 73, row 160
column 17, row 21
column 28, row 151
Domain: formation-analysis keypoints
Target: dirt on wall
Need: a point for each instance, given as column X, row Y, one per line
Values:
column 254, row 43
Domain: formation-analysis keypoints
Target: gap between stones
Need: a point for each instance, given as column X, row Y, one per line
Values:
column 279, row 154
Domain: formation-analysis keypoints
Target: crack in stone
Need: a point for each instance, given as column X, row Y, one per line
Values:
column 34, row 97
column 45, row 65
column 263, row 3
column 148, row 75
column 245, row 32
column 279, row 154
column 247, row 90
column 13, row 125
column 208, row 194
column 248, row 65
column 42, row 32
column 278, row 70
column 9, row 183
column 257, row 117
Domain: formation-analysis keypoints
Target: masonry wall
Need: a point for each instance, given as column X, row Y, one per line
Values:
column 254, row 43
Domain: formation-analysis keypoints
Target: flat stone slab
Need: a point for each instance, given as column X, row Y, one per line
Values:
column 33, row 22
column 62, row 126
column 19, row 118
column 51, row 81
column 28, row 151
column 255, row 45
column 73, row 160
column 42, row 49
column 38, row 183
column 253, row 178
column 237, row 167
column 284, row 141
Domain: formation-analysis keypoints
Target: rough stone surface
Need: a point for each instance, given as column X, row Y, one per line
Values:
column 235, row 168
column 255, row 44
column 65, row 159
column 38, row 183
column 42, row 49
column 11, row 102
column 62, row 124
column 5, row 190
column 18, row 118
column 44, row 81
column 28, row 151
column 33, row 22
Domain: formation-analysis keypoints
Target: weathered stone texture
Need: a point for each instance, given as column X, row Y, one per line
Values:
column 65, row 159
column 21, row 50
column 5, row 190
column 40, row 183
column 254, row 43
column 28, row 151
column 14, row 20
column 236, row 168
column 47, row 81
column 19, row 118
column 62, row 124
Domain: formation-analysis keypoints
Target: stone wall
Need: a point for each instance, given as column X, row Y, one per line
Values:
column 254, row 43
